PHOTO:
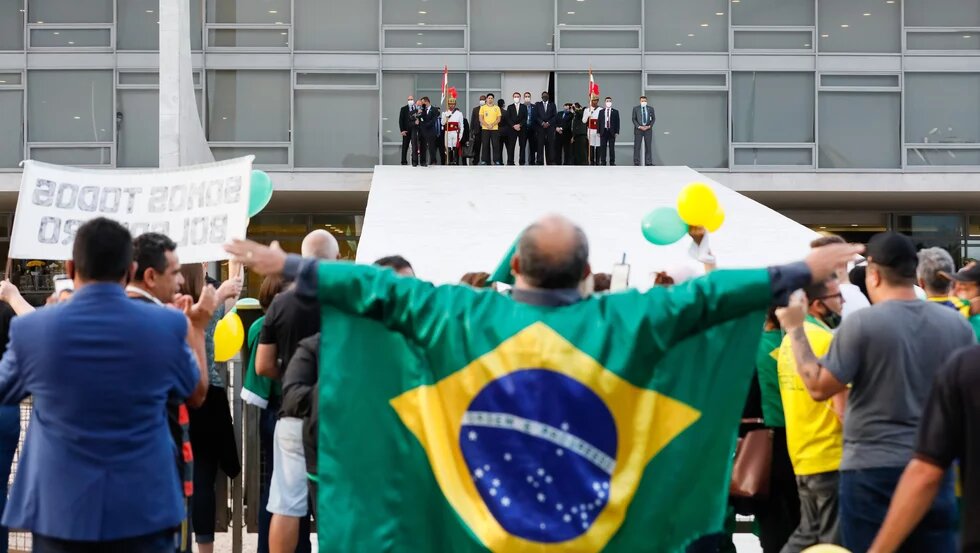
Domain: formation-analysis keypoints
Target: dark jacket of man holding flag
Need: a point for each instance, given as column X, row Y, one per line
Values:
column 466, row 420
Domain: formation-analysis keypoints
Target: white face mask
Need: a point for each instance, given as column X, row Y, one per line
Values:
column 608, row 104
column 517, row 99
column 643, row 104
column 411, row 103
column 527, row 100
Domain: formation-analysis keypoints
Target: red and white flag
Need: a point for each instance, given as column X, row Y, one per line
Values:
column 593, row 86
column 445, row 83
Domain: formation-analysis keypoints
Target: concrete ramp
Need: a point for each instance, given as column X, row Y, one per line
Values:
column 452, row 220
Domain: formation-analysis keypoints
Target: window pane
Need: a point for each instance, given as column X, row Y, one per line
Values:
column 872, row 26
column 69, row 106
column 249, row 106
column 624, row 88
column 690, row 79
column 337, row 79
column 485, row 81
column 72, row 156
column 929, row 225
column 859, row 80
column 691, row 128
column 139, row 130
column 248, row 38
column 263, row 156
column 599, row 39
column 950, row 13
column 127, row 78
column 772, row 107
column 248, row 11
column 767, row 40
column 923, row 157
column 72, row 11
column 942, row 107
column 773, row 156
column 968, row 40
column 686, row 25
column 70, row 38
column 137, row 28
column 11, row 25
column 424, row 38
column 11, row 127
column 430, row 12
column 574, row 12
column 772, row 12
column 336, row 128
column 317, row 27
column 396, row 87
column 860, row 130
column 530, row 31
column 8, row 79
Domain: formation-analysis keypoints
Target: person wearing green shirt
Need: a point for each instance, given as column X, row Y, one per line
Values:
column 779, row 515
column 966, row 287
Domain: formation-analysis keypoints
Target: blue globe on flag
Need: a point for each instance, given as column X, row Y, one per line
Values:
column 541, row 449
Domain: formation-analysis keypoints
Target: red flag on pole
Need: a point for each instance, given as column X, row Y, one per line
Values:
column 445, row 83
column 593, row 86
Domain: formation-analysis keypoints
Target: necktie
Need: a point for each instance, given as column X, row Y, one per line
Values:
column 644, row 116
column 607, row 118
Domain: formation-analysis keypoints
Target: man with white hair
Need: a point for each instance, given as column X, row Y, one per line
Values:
column 934, row 266
column 288, row 321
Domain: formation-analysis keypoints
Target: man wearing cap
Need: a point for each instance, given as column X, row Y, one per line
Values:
column 966, row 287
column 889, row 354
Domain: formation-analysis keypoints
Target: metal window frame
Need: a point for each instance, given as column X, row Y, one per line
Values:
column 270, row 27
column 288, row 146
column 807, row 168
column 419, row 28
column 319, row 71
column 110, row 146
column 863, row 88
column 906, row 31
column 31, row 27
column 693, row 87
column 22, row 87
column 565, row 28
column 733, row 30
column 909, row 147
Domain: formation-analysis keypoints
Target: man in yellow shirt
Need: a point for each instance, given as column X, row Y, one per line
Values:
column 814, row 433
column 489, row 133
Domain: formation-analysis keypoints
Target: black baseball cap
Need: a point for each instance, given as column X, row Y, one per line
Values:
column 895, row 251
column 970, row 273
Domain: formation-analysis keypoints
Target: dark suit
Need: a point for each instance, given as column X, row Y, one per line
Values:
column 563, row 139
column 515, row 115
column 406, row 124
column 430, row 130
column 580, row 135
column 475, row 130
column 547, row 119
column 98, row 461
column 529, row 142
column 607, row 135
column 642, row 117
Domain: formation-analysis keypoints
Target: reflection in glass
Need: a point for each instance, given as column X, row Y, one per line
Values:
column 137, row 25
column 693, row 26
column 249, row 11
column 69, row 106
column 11, row 24
column 336, row 128
column 573, row 12
column 73, row 11
column 942, row 108
column 318, row 28
column 772, row 107
column 773, row 12
column 139, row 128
column 691, row 128
column 860, row 130
column 248, row 106
column 871, row 26
column 530, row 29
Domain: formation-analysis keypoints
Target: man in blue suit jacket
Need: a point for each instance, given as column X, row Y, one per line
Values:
column 97, row 470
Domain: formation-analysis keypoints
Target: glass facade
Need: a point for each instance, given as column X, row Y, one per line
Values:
column 316, row 85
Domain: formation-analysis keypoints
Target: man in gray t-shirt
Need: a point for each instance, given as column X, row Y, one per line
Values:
column 888, row 354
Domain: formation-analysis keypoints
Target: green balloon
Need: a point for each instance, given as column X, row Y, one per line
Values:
column 663, row 226
column 261, row 192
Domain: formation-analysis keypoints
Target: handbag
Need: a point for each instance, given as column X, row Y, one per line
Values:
column 753, row 463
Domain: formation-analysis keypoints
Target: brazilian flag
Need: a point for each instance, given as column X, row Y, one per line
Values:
column 460, row 420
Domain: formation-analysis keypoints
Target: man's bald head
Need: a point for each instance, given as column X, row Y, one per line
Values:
column 552, row 253
column 321, row 245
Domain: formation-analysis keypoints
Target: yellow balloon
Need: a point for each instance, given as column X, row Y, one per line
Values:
column 697, row 204
column 229, row 335
column 716, row 220
column 825, row 548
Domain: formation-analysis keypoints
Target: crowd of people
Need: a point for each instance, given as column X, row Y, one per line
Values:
column 529, row 133
column 870, row 393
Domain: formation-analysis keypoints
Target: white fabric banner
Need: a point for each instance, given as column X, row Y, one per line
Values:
column 200, row 206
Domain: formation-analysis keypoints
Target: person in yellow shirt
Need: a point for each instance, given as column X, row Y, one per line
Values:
column 814, row 433
column 489, row 133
